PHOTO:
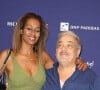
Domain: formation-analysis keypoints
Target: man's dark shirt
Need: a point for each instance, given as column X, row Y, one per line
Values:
column 80, row 80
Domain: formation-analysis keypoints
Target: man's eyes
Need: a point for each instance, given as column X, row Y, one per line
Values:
column 67, row 46
column 59, row 45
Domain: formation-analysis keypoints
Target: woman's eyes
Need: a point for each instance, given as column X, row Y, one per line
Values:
column 37, row 30
column 30, row 29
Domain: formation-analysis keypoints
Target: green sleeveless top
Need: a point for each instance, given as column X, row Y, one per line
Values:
column 20, row 80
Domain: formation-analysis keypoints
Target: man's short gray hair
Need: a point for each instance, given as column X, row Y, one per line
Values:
column 62, row 33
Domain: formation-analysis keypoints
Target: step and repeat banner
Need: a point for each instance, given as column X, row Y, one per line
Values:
column 82, row 17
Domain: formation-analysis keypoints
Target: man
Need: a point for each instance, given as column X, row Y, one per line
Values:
column 65, row 75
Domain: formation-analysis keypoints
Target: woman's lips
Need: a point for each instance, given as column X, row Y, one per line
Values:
column 32, row 38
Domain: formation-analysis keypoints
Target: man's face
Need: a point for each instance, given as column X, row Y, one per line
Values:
column 67, row 49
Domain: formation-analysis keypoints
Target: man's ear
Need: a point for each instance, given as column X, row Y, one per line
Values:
column 78, row 52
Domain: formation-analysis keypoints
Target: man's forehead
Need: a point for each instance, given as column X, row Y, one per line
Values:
column 66, row 38
column 67, row 41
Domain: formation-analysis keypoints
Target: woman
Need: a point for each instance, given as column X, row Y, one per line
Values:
column 25, row 68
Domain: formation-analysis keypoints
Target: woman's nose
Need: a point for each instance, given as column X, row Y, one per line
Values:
column 33, row 31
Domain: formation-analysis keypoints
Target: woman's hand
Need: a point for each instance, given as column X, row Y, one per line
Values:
column 82, row 65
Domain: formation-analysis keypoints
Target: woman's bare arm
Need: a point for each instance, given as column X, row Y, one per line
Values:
column 47, row 60
column 3, row 56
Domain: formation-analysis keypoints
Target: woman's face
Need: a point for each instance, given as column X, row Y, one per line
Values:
column 31, row 31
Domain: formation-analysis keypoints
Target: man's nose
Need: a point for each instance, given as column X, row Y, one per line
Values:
column 64, row 47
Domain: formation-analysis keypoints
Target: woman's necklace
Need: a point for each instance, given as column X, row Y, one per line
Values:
column 29, row 57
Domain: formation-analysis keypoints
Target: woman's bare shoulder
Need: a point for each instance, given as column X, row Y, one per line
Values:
column 3, row 53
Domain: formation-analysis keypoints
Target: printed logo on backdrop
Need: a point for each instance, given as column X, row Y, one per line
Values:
column 65, row 26
column 90, row 64
column 8, row 24
column 11, row 24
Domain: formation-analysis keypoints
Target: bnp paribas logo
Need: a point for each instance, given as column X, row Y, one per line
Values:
column 64, row 26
